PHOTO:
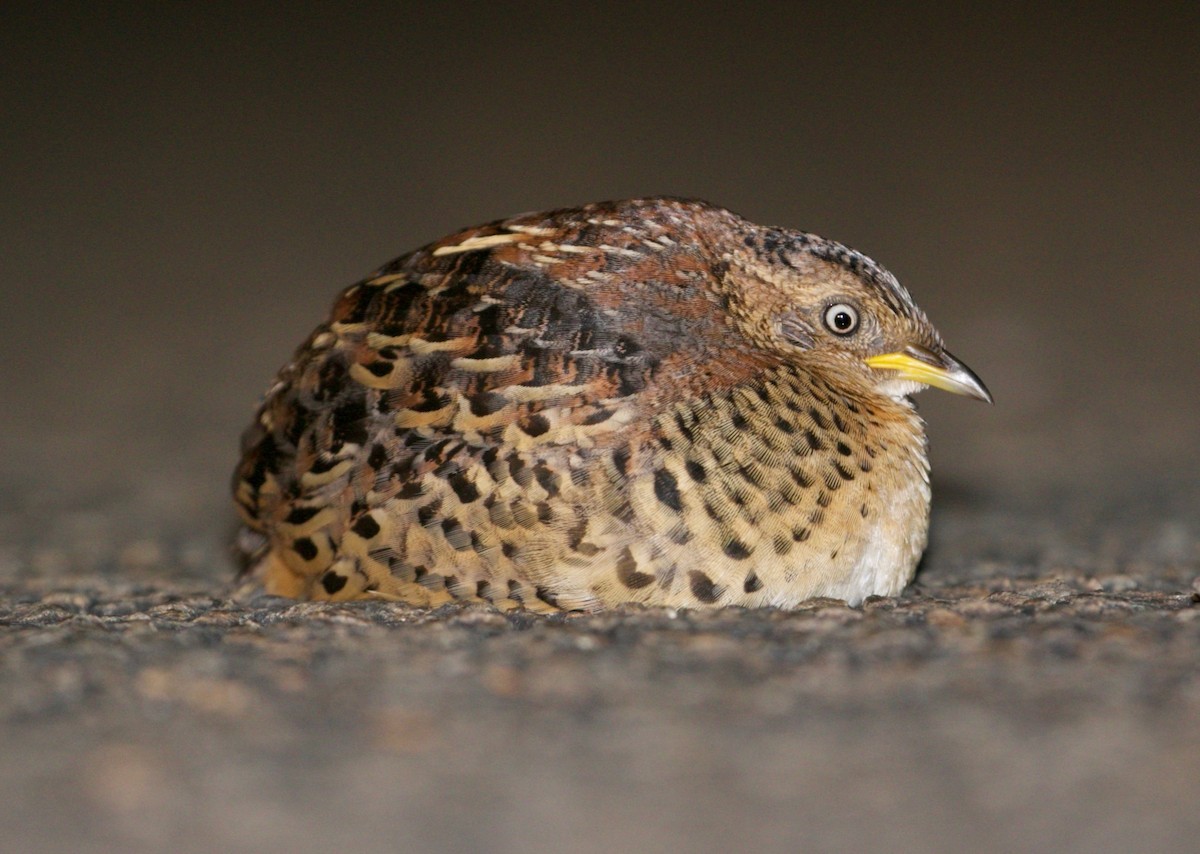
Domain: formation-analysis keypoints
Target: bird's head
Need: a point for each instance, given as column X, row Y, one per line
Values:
column 808, row 299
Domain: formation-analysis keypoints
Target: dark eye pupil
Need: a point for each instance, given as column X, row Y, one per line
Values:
column 842, row 320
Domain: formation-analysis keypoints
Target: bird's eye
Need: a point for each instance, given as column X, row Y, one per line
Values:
column 841, row 319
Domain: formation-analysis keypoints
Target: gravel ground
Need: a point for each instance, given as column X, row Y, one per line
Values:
column 1037, row 688
column 185, row 192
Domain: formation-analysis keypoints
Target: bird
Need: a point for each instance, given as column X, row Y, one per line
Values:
column 651, row 401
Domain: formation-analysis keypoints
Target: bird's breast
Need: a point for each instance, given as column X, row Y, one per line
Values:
column 775, row 492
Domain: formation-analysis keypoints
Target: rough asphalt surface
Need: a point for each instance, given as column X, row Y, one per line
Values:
column 183, row 194
column 1038, row 688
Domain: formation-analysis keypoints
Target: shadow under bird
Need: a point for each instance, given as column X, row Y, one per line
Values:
column 650, row 401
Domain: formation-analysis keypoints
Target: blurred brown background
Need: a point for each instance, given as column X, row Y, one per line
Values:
column 183, row 192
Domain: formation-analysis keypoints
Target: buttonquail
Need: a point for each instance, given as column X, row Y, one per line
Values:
column 649, row 401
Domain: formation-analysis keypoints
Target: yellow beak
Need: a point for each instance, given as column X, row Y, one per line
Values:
column 940, row 370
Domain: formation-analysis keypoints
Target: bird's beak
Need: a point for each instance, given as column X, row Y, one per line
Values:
column 940, row 370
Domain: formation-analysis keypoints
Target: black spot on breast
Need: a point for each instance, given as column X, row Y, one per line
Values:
column 535, row 424
column 546, row 595
column 823, row 499
column 703, row 587
column 782, row 545
column 627, row 572
column 430, row 580
column 752, row 476
column 483, row 590
column 466, row 491
column 305, row 547
column 666, row 489
column 378, row 458
column 785, row 425
column 366, row 527
column 621, row 460
column 432, row 399
column 696, row 471
column 402, row 467
column 518, row 471
column 401, row 570
column 524, row 513
column 679, row 534
column 332, row 582
column 300, row 515
column 684, row 427
column 843, row 472
column 426, row 513
column 843, row 449
column 486, row 403
column 813, row 442
column 800, row 534
column 803, row 480
column 544, row 512
column 752, row 583
column 442, row 450
column 736, row 549
column 599, row 416
column 864, row 465
column 380, row 369
column 738, row 420
column 576, row 532
column 410, row 490
column 547, row 479
column 818, row 418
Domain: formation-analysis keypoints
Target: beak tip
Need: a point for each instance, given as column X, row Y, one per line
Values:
column 964, row 381
column 939, row 369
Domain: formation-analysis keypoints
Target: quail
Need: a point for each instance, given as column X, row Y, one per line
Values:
column 648, row 401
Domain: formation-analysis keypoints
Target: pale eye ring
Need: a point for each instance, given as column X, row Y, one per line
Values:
column 841, row 318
